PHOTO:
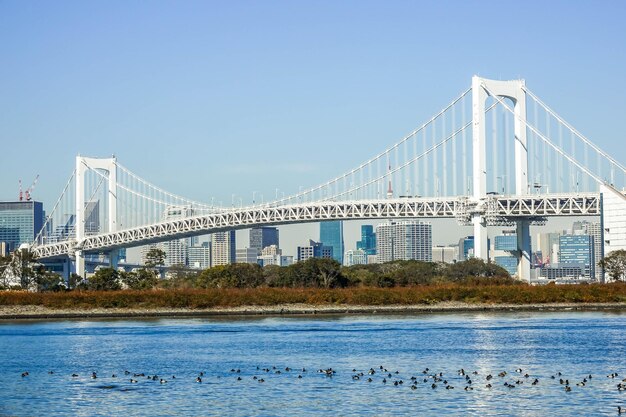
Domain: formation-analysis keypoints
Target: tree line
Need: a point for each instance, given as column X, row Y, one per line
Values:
column 312, row 273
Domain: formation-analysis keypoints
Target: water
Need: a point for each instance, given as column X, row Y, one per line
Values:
column 541, row 344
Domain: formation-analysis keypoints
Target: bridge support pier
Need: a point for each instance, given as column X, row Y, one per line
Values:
column 481, row 239
column 114, row 258
column 524, row 250
column 80, row 263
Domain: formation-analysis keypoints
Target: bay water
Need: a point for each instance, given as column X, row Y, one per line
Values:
column 513, row 363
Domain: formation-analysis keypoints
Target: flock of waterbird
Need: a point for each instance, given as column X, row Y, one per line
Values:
column 433, row 380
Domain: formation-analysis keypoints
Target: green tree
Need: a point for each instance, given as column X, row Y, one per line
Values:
column 48, row 280
column 105, row 279
column 76, row 282
column 314, row 272
column 474, row 268
column 142, row 279
column 241, row 275
column 615, row 264
column 155, row 257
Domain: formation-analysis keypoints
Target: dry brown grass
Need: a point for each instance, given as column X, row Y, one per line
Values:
column 231, row 297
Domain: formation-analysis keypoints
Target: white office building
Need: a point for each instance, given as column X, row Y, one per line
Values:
column 355, row 257
column 200, row 256
column 404, row 240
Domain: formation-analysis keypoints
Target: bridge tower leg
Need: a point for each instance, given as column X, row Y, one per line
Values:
column 83, row 164
column 514, row 90
column 479, row 154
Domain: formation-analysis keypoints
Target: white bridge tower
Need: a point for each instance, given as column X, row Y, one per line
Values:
column 108, row 165
column 514, row 90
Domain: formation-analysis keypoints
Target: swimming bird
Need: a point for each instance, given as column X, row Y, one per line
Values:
column 74, row 375
column 93, row 375
column 24, row 374
column 133, row 381
column 198, row 379
column 162, row 381
column 620, row 410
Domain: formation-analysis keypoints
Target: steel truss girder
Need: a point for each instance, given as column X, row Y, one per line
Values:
column 493, row 208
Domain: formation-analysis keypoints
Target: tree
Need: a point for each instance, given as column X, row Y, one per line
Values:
column 241, row 275
column 76, row 282
column 474, row 267
column 615, row 264
column 142, row 279
column 105, row 279
column 155, row 257
column 48, row 280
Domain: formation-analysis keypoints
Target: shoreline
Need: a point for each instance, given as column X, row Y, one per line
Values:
column 31, row 312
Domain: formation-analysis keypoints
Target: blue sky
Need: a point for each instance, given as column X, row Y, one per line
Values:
column 207, row 99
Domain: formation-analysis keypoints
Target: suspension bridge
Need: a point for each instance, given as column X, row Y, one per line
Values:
column 496, row 155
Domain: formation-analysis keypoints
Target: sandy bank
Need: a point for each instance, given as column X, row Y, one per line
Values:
column 39, row 312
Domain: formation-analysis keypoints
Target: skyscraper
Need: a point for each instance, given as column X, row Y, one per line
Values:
column 579, row 250
column 331, row 234
column 406, row 240
column 261, row 237
column 466, row 248
column 223, row 248
column 20, row 222
column 594, row 230
column 368, row 240
column 314, row 250
column 200, row 256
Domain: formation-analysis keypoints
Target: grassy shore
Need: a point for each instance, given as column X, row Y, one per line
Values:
column 359, row 296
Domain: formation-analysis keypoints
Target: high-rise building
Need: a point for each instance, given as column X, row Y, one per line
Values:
column 579, row 250
column 200, row 256
column 20, row 222
column 368, row 240
column 445, row 254
column 405, row 240
column 331, row 234
column 271, row 250
column 246, row 256
column 505, row 250
column 548, row 245
column 223, row 248
column 594, row 230
column 261, row 237
column 314, row 250
column 355, row 257
column 466, row 248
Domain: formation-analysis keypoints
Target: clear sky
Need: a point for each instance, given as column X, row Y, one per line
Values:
column 207, row 99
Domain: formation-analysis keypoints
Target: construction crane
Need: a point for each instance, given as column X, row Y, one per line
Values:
column 26, row 195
